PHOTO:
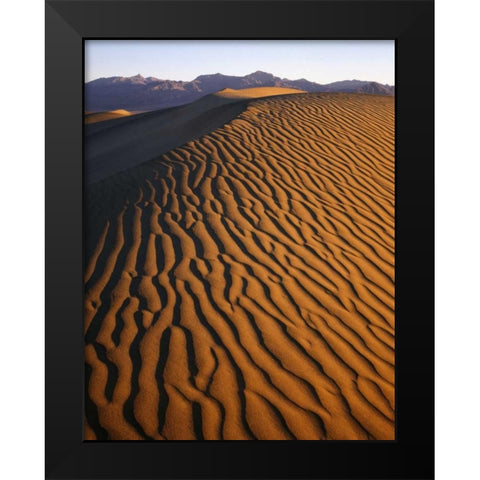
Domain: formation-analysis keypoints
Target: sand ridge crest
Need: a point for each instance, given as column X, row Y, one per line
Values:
column 256, row 92
column 124, row 141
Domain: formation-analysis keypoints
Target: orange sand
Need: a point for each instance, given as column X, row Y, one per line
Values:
column 241, row 286
column 94, row 117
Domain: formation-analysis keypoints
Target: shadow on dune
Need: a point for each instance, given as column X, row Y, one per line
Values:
column 115, row 145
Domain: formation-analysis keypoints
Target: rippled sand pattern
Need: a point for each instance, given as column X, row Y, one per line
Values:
column 242, row 286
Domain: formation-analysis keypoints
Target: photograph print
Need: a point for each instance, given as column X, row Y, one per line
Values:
column 239, row 204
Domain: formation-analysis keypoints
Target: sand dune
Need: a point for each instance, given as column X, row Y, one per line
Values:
column 95, row 117
column 123, row 143
column 256, row 92
column 241, row 286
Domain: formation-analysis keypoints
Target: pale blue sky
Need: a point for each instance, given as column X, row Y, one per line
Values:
column 321, row 61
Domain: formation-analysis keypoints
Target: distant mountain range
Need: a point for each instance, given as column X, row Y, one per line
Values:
column 138, row 93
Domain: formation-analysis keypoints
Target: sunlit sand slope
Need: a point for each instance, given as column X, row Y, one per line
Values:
column 242, row 286
column 95, row 117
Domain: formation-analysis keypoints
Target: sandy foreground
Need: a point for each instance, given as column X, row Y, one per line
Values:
column 241, row 285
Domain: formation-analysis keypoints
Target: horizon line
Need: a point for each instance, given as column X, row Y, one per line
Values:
column 239, row 76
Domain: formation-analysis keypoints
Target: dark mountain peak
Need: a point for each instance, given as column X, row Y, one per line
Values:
column 136, row 79
column 100, row 80
column 209, row 76
column 378, row 89
column 259, row 75
column 140, row 93
column 152, row 79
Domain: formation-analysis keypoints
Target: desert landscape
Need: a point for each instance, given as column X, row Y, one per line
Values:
column 239, row 268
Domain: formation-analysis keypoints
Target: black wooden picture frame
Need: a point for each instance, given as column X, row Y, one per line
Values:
column 410, row 24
